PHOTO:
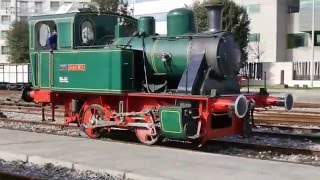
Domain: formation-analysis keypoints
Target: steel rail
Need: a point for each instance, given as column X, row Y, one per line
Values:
column 245, row 145
column 16, row 176
column 296, row 119
column 265, row 147
column 42, row 123
column 293, row 136
column 291, row 128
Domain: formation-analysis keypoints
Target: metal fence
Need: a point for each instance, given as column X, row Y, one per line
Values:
column 252, row 71
column 301, row 71
column 15, row 73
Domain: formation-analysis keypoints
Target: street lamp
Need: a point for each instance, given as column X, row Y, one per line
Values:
column 312, row 45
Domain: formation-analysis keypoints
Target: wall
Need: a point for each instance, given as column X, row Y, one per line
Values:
column 273, row 71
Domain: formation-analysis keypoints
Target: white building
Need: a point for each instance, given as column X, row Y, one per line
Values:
column 158, row 9
column 9, row 9
column 281, row 29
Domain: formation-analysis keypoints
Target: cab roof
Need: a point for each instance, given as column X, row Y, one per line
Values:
column 70, row 15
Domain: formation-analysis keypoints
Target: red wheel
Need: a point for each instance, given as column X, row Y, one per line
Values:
column 90, row 115
column 145, row 136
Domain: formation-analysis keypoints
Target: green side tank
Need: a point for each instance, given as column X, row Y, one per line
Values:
column 147, row 25
column 181, row 21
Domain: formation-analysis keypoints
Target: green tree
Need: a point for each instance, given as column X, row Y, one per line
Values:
column 235, row 20
column 113, row 6
column 17, row 40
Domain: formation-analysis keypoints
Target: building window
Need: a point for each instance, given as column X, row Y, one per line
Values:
column 38, row 7
column 254, row 8
column 254, row 37
column 24, row 18
column 4, row 50
column 5, row 4
column 309, row 3
column 4, row 34
column 23, row 6
column 54, row 5
column 5, row 19
column 297, row 40
column 293, row 6
column 317, row 38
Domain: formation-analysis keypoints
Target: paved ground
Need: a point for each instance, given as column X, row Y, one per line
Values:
column 141, row 162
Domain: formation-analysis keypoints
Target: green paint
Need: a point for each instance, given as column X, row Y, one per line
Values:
column 57, row 17
column 181, row 21
column 177, row 64
column 171, row 122
column 147, row 25
column 31, row 36
column 44, row 70
column 178, row 48
column 34, row 57
column 103, row 27
column 65, row 34
column 108, row 70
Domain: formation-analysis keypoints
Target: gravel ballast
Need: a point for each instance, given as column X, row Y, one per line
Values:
column 297, row 158
column 49, row 171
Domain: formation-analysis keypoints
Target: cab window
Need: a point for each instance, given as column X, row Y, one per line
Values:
column 43, row 30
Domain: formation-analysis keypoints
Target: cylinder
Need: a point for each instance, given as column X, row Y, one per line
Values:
column 181, row 21
column 226, row 104
column 214, row 17
column 147, row 24
column 281, row 101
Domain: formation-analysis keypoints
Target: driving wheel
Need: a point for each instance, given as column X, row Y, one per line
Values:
column 146, row 136
column 91, row 115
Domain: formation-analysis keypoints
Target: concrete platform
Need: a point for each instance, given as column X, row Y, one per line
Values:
column 128, row 161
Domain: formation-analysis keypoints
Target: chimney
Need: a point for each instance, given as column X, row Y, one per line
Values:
column 214, row 17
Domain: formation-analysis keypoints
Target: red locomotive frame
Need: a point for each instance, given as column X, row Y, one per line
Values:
column 122, row 111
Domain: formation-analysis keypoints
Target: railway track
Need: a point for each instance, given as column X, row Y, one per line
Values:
column 31, row 110
column 313, row 137
column 268, row 117
column 292, row 129
column 263, row 117
column 306, row 105
column 14, row 176
column 265, row 147
column 294, row 118
column 222, row 143
column 42, row 123
column 16, row 103
column 269, row 120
